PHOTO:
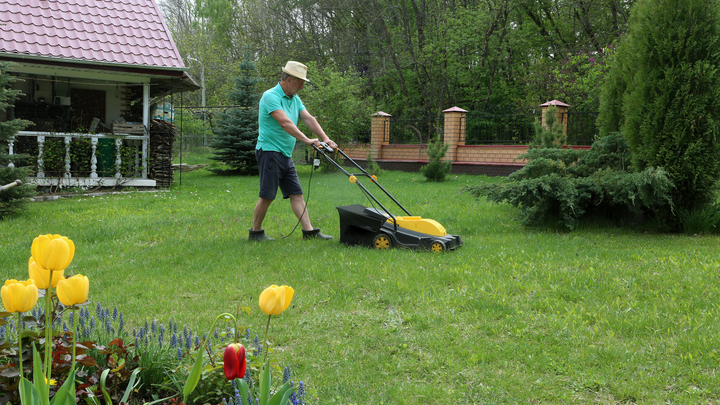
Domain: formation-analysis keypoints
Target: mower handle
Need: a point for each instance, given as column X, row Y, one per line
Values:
column 326, row 147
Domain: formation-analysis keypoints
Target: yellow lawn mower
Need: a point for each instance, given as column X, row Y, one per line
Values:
column 378, row 228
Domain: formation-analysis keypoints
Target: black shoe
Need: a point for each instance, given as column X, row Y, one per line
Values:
column 258, row 236
column 315, row 234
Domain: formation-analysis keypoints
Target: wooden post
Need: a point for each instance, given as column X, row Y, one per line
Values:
column 454, row 131
column 379, row 133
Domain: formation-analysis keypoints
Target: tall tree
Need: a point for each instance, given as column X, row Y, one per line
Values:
column 13, row 199
column 237, row 129
column 668, row 80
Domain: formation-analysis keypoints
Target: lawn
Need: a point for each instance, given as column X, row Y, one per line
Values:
column 599, row 315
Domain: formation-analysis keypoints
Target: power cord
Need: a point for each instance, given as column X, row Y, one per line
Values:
column 316, row 164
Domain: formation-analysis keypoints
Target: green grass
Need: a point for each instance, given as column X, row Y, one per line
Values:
column 600, row 315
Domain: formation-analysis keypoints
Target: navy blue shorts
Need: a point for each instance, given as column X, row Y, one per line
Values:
column 277, row 170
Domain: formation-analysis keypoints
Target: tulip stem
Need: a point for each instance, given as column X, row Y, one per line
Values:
column 48, row 327
column 266, row 341
column 20, row 354
column 74, row 313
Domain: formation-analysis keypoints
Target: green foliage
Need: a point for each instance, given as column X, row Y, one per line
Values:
column 12, row 200
column 566, row 185
column 551, row 134
column 665, row 94
column 237, row 129
column 700, row 220
column 338, row 102
column 436, row 169
column 372, row 166
column 578, row 77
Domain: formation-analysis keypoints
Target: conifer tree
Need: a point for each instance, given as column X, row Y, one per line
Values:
column 436, row 169
column 237, row 128
column 664, row 94
column 13, row 199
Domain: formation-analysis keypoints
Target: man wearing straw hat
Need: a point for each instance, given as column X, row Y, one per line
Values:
column 280, row 109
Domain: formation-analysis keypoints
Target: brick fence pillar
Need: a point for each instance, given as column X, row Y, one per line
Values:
column 454, row 131
column 562, row 109
column 379, row 133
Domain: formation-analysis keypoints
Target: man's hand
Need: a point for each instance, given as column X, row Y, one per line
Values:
column 313, row 141
column 331, row 144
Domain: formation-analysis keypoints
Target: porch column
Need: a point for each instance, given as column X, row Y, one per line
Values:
column 454, row 131
column 379, row 133
column 146, row 124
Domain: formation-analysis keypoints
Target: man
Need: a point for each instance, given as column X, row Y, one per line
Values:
column 280, row 109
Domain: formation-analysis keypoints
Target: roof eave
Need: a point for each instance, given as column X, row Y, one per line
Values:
column 140, row 69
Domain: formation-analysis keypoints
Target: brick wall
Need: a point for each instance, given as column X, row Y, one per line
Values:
column 490, row 154
column 491, row 160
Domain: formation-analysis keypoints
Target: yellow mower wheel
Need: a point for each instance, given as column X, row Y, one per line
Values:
column 437, row 247
column 382, row 241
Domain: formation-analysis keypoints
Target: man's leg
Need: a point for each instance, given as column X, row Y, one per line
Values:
column 261, row 209
column 298, row 206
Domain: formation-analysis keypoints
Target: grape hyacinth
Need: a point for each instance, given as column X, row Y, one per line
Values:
column 286, row 375
column 115, row 313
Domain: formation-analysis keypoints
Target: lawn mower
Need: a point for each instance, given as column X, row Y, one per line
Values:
column 377, row 227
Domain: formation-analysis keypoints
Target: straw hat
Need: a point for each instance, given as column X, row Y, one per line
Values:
column 296, row 69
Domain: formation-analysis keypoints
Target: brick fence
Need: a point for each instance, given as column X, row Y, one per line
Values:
column 491, row 160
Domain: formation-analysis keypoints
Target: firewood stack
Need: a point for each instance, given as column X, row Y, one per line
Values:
column 162, row 136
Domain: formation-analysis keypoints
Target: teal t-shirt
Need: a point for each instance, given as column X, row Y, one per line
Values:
column 271, row 136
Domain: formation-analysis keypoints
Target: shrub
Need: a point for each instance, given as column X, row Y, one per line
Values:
column 664, row 95
column 436, row 169
column 566, row 185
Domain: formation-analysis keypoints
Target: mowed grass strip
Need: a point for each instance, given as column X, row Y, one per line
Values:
column 517, row 315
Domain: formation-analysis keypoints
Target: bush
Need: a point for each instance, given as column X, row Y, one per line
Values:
column 436, row 169
column 664, row 95
column 566, row 185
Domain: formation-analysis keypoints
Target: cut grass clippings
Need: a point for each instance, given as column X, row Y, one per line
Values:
column 599, row 315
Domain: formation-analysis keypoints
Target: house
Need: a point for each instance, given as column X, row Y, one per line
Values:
column 91, row 72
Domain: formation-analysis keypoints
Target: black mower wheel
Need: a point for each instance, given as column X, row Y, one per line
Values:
column 437, row 247
column 382, row 241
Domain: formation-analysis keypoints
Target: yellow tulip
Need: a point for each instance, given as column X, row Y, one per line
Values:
column 274, row 300
column 73, row 290
column 19, row 296
column 41, row 276
column 53, row 252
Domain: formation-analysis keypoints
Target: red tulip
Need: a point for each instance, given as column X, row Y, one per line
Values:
column 234, row 362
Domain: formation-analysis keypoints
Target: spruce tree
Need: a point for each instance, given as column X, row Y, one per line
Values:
column 237, row 128
column 664, row 94
column 12, row 200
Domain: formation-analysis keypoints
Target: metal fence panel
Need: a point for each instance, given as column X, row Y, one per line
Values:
column 415, row 130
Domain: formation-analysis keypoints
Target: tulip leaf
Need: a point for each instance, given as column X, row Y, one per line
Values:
column 265, row 384
column 28, row 392
column 65, row 395
column 281, row 393
column 196, row 371
column 194, row 376
column 103, row 378
column 132, row 384
column 243, row 388
column 41, row 385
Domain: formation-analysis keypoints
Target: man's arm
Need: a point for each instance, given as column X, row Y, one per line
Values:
column 292, row 129
column 315, row 128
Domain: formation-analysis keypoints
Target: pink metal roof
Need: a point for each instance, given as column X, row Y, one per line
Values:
column 127, row 32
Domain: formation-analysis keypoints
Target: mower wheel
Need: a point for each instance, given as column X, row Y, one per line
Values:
column 437, row 247
column 382, row 241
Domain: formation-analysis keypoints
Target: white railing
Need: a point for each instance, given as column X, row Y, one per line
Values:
column 138, row 178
